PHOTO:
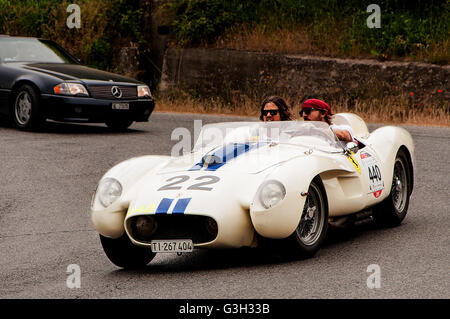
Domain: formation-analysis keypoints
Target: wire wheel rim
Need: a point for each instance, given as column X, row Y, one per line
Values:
column 399, row 186
column 22, row 108
column 311, row 223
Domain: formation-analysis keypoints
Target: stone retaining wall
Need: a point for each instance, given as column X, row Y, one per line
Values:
column 216, row 72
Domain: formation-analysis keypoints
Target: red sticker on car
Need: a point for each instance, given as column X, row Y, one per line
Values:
column 365, row 155
column 377, row 193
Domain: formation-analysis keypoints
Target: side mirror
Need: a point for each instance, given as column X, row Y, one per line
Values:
column 351, row 147
column 211, row 159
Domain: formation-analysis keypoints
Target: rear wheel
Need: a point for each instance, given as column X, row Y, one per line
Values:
column 123, row 253
column 312, row 228
column 25, row 109
column 393, row 209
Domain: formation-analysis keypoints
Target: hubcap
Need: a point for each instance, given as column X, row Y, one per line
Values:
column 399, row 186
column 311, row 223
column 23, row 108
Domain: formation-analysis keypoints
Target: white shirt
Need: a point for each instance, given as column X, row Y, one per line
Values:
column 344, row 128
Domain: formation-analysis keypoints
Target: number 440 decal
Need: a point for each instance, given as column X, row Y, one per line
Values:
column 176, row 182
column 374, row 173
column 376, row 184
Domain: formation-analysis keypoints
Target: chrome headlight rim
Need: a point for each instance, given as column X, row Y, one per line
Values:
column 270, row 188
column 109, row 190
column 71, row 89
column 144, row 92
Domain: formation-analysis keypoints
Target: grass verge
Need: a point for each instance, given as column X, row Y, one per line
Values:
column 389, row 110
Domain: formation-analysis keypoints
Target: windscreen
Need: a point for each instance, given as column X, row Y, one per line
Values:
column 315, row 135
column 32, row 50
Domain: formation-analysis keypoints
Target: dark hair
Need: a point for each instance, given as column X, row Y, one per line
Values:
column 329, row 118
column 283, row 108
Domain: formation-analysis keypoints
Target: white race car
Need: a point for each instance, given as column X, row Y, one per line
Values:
column 250, row 182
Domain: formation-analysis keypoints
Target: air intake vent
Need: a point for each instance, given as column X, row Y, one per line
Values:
column 201, row 229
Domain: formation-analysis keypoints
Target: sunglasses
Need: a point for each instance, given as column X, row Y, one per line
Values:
column 308, row 111
column 272, row 112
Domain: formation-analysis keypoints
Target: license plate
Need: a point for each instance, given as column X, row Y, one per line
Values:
column 172, row 246
column 120, row 106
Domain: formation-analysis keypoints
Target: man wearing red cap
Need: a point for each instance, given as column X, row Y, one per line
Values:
column 317, row 110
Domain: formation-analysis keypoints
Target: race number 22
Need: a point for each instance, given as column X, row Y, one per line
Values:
column 176, row 181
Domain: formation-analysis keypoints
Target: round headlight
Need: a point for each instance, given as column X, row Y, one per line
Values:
column 271, row 193
column 109, row 189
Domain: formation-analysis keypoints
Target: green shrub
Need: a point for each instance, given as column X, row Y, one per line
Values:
column 408, row 28
column 106, row 25
column 100, row 54
column 203, row 20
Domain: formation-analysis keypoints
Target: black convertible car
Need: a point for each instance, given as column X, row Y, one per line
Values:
column 40, row 80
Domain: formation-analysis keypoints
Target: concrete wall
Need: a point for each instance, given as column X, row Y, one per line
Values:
column 226, row 73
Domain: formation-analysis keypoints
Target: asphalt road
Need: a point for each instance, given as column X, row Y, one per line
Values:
column 47, row 180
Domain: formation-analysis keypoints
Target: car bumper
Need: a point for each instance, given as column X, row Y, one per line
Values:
column 85, row 109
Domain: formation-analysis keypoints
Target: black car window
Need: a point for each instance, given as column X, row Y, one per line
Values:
column 33, row 50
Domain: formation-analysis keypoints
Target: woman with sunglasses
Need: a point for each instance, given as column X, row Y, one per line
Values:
column 275, row 108
column 317, row 110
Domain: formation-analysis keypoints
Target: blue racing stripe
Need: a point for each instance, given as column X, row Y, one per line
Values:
column 163, row 207
column 225, row 154
column 181, row 205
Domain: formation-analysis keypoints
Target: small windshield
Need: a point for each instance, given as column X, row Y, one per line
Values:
column 32, row 50
column 316, row 135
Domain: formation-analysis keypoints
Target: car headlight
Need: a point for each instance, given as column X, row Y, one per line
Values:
column 271, row 193
column 108, row 191
column 68, row 88
column 144, row 91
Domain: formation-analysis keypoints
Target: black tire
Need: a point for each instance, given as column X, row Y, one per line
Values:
column 312, row 228
column 119, row 125
column 393, row 209
column 25, row 109
column 123, row 253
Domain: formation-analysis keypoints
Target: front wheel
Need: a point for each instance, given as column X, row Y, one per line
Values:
column 393, row 209
column 312, row 228
column 123, row 253
column 25, row 109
